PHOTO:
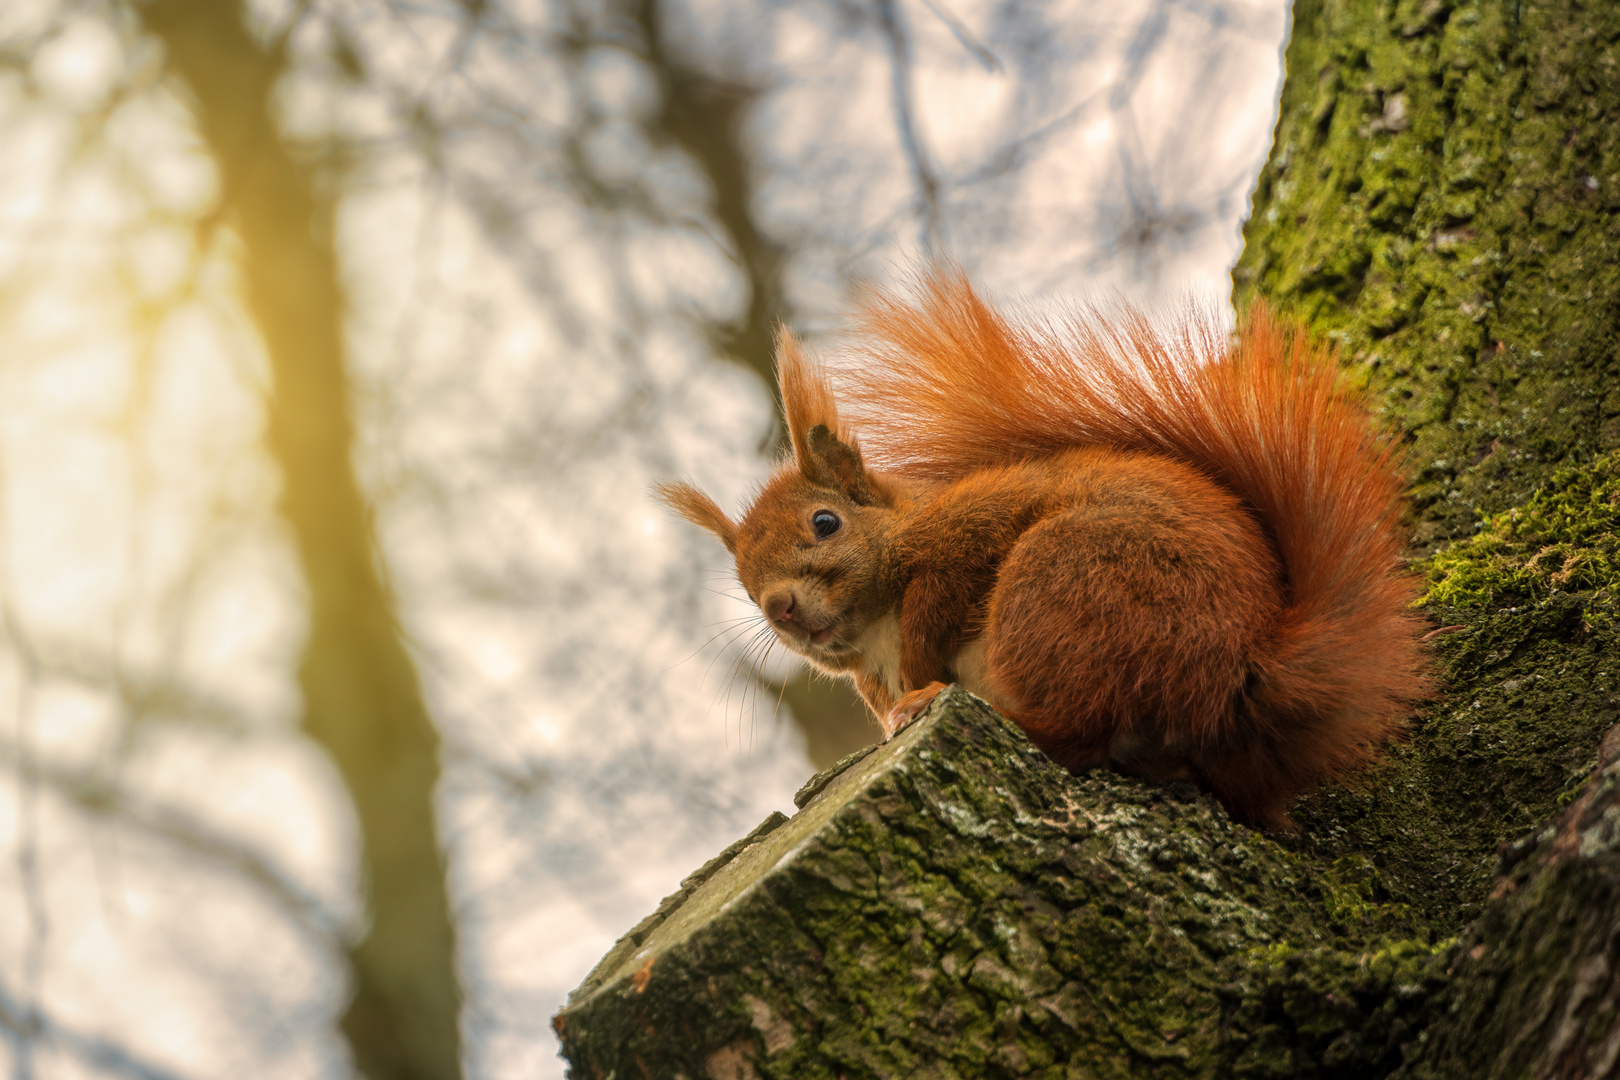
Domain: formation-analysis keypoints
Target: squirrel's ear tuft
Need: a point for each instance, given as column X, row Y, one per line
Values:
column 699, row 509
column 831, row 462
column 823, row 453
column 807, row 399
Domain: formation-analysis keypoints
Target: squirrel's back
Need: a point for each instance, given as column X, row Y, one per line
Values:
column 946, row 386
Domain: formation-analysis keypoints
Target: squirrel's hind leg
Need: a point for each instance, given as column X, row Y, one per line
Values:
column 1128, row 624
column 1254, row 783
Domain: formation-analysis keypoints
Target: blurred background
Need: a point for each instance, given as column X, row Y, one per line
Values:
column 354, row 694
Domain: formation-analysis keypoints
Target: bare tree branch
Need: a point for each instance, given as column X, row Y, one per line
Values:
column 102, row 1054
column 965, row 37
column 923, row 175
column 101, row 796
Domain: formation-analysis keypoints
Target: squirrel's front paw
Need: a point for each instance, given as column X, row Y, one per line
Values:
column 907, row 708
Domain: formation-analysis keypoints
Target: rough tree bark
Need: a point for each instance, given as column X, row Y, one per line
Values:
column 1533, row 987
column 1441, row 200
column 362, row 701
column 955, row 905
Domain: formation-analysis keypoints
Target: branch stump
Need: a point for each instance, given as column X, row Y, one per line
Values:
column 953, row 904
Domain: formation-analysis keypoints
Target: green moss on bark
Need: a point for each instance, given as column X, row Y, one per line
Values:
column 955, row 905
column 1440, row 200
column 1565, row 539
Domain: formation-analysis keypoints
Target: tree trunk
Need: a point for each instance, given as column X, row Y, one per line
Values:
column 1534, row 985
column 1440, row 199
column 362, row 702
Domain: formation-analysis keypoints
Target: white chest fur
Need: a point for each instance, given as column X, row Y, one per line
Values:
column 879, row 645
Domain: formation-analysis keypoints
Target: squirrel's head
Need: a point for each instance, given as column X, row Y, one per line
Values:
column 811, row 548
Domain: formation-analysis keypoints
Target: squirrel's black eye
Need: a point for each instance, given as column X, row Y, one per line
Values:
column 825, row 522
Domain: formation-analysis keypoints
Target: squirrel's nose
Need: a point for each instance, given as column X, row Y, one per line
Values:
column 779, row 607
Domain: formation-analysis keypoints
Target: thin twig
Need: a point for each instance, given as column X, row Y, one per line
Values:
column 978, row 49
column 103, row 1055
column 922, row 171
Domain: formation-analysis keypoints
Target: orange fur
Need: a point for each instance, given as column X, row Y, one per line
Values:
column 1170, row 552
column 699, row 509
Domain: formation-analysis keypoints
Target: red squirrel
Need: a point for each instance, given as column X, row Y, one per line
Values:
column 1169, row 551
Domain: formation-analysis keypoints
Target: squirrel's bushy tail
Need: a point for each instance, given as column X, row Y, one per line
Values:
column 947, row 385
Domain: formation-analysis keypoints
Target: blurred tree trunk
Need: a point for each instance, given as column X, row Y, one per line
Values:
column 704, row 116
column 362, row 700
